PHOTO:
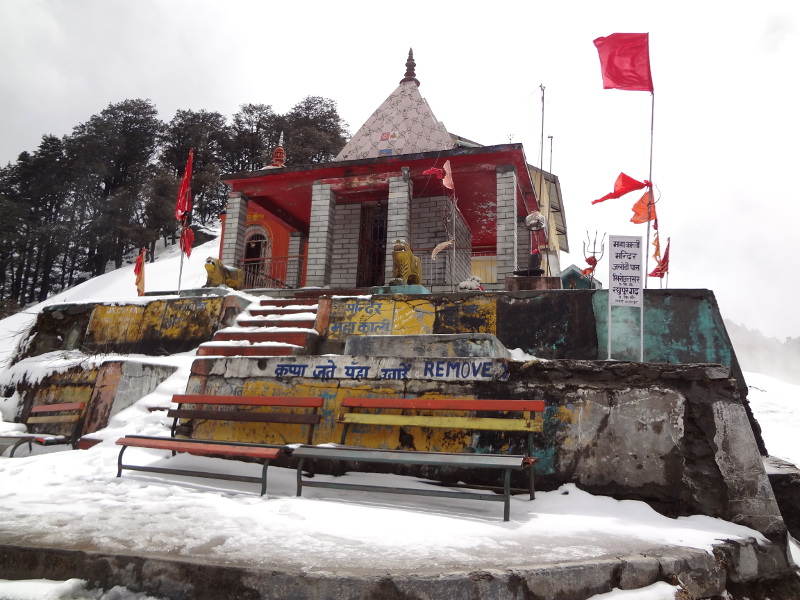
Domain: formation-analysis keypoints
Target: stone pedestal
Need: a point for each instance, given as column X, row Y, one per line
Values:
column 516, row 284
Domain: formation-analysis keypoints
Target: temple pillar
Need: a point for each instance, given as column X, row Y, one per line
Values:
column 232, row 252
column 398, row 222
column 320, row 235
column 506, row 221
column 294, row 269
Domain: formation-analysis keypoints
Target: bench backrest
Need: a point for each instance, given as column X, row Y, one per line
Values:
column 527, row 422
column 65, row 413
column 240, row 409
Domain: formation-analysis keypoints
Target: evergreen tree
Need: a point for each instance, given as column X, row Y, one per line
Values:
column 254, row 132
column 113, row 154
column 207, row 133
column 314, row 131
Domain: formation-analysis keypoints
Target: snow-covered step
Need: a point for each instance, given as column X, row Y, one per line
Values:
column 303, row 320
column 299, row 337
column 275, row 311
column 245, row 348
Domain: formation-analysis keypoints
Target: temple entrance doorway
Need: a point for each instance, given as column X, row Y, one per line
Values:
column 257, row 258
column 372, row 245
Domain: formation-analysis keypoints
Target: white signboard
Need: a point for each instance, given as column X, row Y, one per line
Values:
column 625, row 271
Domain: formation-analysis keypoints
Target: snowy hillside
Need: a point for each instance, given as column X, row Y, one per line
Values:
column 120, row 284
column 242, row 526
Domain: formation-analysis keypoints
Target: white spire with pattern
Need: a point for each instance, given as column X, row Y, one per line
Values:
column 403, row 124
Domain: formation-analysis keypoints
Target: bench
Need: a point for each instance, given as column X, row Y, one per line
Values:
column 481, row 415
column 238, row 409
column 66, row 413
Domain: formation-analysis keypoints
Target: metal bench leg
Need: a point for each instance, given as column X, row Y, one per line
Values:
column 119, row 461
column 300, row 476
column 18, row 444
column 507, row 495
column 531, row 455
column 531, row 481
column 264, row 477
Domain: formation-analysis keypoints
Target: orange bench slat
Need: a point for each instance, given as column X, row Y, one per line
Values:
column 57, row 407
column 199, row 448
column 282, row 401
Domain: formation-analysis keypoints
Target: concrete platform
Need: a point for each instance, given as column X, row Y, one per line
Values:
column 187, row 539
column 546, row 573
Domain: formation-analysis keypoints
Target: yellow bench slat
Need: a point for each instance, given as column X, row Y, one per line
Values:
column 477, row 423
column 62, row 419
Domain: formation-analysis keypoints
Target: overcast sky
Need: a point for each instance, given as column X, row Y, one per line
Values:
column 726, row 78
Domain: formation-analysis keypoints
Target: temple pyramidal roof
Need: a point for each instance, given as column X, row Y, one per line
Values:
column 403, row 124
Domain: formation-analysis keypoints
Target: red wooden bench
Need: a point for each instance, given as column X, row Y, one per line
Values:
column 248, row 409
column 521, row 416
column 65, row 413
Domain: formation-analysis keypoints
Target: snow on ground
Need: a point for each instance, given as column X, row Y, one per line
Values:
column 73, row 498
column 116, row 285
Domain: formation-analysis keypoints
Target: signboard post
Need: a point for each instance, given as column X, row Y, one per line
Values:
column 625, row 278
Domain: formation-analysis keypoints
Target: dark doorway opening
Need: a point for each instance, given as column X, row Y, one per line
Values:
column 372, row 245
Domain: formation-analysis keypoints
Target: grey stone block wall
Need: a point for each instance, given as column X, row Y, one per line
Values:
column 235, row 226
column 429, row 227
column 506, row 222
column 398, row 222
column 344, row 262
column 294, row 274
column 320, row 235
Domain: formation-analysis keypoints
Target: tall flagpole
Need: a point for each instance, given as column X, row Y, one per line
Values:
column 541, row 187
column 650, row 205
column 651, row 200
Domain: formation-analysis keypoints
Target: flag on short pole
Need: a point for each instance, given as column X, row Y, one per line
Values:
column 186, row 241
column 184, row 206
column 662, row 266
column 625, row 61
column 138, row 271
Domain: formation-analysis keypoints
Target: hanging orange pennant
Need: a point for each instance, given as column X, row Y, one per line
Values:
column 645, row 209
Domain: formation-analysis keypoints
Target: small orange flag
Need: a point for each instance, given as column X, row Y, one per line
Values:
column 138, row 271
column 645, row 209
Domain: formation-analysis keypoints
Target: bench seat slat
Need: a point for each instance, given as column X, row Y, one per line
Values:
column 278, row 401
column 54, row 419
column 474, row 423
column 233, row 415
column 200, row 448
column 188, row 473
column 445, row 404
column 488, row 461
column 413, row 491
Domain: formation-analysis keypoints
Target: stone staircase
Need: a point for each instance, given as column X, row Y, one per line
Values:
column 273, row 327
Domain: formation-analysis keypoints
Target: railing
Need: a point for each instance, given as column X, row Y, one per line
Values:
column 273, row 272
column 484, row 265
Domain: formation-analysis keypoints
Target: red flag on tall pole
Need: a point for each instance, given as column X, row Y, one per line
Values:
column 184, row 204
column 622, row 186
column 625, row 61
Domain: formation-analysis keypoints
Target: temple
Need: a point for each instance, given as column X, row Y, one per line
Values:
column 460, row 206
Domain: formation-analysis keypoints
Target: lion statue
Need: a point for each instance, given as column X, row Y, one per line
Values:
column 406, row 267
column 218, row 274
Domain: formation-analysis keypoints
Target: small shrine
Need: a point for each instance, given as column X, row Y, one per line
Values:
column 401, row 180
